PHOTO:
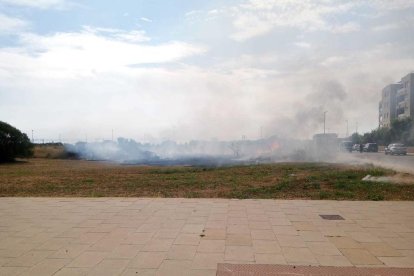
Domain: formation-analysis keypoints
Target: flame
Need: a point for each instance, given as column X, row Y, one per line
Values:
column 274, row 146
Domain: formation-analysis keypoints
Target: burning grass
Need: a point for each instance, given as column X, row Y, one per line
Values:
column 49, row 177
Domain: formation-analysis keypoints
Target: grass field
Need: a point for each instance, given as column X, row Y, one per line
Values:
column 51, row 177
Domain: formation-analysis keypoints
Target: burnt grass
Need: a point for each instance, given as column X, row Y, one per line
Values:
column 75, row 178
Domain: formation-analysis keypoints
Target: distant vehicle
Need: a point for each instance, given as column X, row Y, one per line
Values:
column 355, row 147
column 346, row 146
column 370, row 147
column 396, row 149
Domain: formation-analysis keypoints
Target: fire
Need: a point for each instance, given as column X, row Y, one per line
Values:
column 274, row 146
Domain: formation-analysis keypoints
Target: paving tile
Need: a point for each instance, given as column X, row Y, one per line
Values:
column 280, row 222
column 138, row 238
column 166, row 234
column 363, row 237
column 360, row 256
column 399, row 243
column 54, row 244
column 345, row 242
column 284, row 230
column 398, row 261
column 212, row 246
column 269, row 258
column 193, row 228
column 72, row 271
column 260, row 225
column 216, row 224
column 332, row 231
column 149, row 228
column 238, row 239
column 237, row 221
column 77, row 231
column 138, row 272
column 89, row 238
column 207, row 260
column 381, row 249
column 13, row 270
column 239, row 253
column 406, row 252
column 174, row 267
column 124, row 251
column 262, row 235
column 148, row 260
column 109, row 267
column 29, row 259
column 312, row 236
column 182, row 252
column 383, row 233
column 323, row 248
column 238, row 229
column 202, row 272
column 188, row 239
column 290, row 241
column 333, row 260
column 265, row 246
column 158, row 245
column 297, row 255
column 304, row 226
column 47, row 267
column 214, row 234
column 4, row 260
column 70, row 251
column 88, row 259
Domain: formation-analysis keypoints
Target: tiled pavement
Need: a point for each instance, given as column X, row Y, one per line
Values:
column 140, row 236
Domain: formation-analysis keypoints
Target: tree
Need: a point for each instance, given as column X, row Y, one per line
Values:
column 402, row 130
column 356, row 138
column 13, row 143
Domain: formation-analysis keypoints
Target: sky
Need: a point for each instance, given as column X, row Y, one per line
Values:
column 184, row 70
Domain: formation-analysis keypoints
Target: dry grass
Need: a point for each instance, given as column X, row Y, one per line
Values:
column 53, row 151
column 51, row 177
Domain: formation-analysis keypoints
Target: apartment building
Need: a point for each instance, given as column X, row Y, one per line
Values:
column 397, row 101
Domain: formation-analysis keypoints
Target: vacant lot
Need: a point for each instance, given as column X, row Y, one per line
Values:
column 48, row 177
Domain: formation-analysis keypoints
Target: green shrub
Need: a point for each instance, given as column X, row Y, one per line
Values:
column 13, row 143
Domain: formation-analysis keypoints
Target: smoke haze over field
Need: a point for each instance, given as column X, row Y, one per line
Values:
column 199, row 70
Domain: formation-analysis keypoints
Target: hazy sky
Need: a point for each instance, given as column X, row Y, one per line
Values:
column 199, row 69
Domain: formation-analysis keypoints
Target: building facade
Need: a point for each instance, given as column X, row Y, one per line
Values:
column 397, row 101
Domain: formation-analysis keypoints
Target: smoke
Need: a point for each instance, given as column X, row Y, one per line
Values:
column 290, row 138
column 123, row 150
column 210, row 153
column 308, row 117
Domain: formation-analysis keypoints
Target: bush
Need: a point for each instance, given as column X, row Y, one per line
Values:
column 13, row 143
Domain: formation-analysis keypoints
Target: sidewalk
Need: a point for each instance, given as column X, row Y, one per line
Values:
column 138, row 236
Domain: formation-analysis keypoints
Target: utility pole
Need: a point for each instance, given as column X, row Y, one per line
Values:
column 32, row 137
column 356, row 127
column 324, row 121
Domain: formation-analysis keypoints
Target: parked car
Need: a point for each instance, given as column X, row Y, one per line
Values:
column 355, row 147
column 371, row 147
column 396, row 149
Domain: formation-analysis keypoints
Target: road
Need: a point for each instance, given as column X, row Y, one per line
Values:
column 403, row 163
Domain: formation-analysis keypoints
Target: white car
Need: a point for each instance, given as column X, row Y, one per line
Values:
column 396, row 149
